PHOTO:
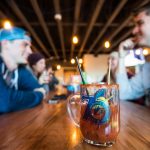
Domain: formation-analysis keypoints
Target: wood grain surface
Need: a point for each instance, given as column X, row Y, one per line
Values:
column 48, row 127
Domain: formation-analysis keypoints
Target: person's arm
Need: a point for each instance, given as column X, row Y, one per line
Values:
column 26, row 80
column 128, row 88
column 12, row 100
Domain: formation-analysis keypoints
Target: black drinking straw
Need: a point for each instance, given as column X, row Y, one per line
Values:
column 81, row 74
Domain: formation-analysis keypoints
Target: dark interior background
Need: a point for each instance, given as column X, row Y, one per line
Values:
column 93, row 21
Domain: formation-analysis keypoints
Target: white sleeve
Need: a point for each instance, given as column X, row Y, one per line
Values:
column 129, row 88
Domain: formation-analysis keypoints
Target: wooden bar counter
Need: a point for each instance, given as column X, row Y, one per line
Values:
column 48, row 127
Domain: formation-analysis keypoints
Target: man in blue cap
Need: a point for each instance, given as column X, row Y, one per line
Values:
column 18, row 88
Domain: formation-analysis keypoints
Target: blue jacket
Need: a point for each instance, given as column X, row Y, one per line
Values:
column 12, row 99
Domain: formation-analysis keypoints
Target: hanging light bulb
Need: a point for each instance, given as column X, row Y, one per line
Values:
column 58, row 67
column 73, row 61
column 107, row 44
column 75, row 40
column 7, row 24
column 58, row 16
column 80, row 61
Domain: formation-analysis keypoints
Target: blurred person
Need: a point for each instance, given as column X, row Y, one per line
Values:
column 139, row 85
column 114, row 60
column 38, row 66
column 53, row 80
column 18, row 89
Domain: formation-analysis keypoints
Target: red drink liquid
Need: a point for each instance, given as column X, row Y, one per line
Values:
column 101, row 133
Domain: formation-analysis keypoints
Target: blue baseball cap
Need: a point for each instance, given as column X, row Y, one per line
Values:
column 13, row 34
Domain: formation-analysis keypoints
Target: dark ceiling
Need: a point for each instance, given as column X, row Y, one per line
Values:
column 94, row 21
